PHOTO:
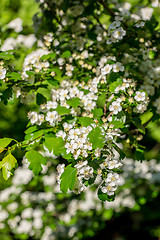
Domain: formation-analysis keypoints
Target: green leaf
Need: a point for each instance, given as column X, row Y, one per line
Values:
column 85, row 121
column 119, row 120
column 66, row 54
column 139, row 154
column 40, row 99
column 68, row 179
column 115, row 84
column 97, row 112
column 35, row 135
column 4, row 142
column 96, row 138
column 117, row 124
column 6, row 95
column 48, row 56
column 15, row 75
column 6, row 56
column 30, row 73
column 62, row 110
column 7, row 164
column 104, row 197
column 35, row 159
column 55, row 144
column 101, row 100
column 74, row 102
column 31, row 129
column 137, row 123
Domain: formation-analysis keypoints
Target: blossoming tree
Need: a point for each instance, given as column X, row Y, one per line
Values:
column 94, row 69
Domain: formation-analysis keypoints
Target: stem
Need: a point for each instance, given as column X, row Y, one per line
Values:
column 107, row 8
column 100, row 23
column 21, row 145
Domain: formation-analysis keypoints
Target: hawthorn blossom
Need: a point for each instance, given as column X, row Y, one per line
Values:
column 2, row 72
column 115, row 107
column 119, row 33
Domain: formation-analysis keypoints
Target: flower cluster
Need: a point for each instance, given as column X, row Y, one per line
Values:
column 115, row 31
column 2, row 71
column 76, row 140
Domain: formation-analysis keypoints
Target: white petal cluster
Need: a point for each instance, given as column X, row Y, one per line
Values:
column 32, row 61
column 111, row 184
column 16, row 24
column 157, row 105
column 140, row 96
column 142, row 99
column 115, row 31
column 60, row 170
column 2, row 72
column 115, row 107
column 146, row 13
column 76, row 141
column 84, row 172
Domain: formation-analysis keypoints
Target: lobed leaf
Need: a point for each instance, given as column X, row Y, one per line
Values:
column 7, row 164
column 68, row 179
column 96, row 138
column 36, row 160
column 4, row 142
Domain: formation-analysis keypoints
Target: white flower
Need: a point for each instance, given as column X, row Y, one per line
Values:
column 8, row 44
column 112, row 179
column 140, row 96
column 115, row 107
column 52, row 116
column 84, row 54
column 22, row 176
column 61, row 134
column 33, row 116
column 38, row 223
column 81, row 164
column 106, row 69
column 16, row 24
column 24, row 227
column 118, row 67
column 60, row 61
column 157, row 105
column 141, row 107
column 12, row 207
column 76, row 153
column 49, row 180
column 109, row 189
column 140, row 24
column 60, row 168
column 78, row 187
column 86, row 172
column 113, row 164
column 146, row 13
column 3, row 215
column 73, row 92
column 51, row 104
column 40, row 119
column 27, row 213
column 118, row 33
column 114, row 24
column 17, row 91
column 67, row 126
column 2, row 72
column 97, row 152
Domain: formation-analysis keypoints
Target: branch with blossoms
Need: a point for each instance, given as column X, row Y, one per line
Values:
column 90, row 82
